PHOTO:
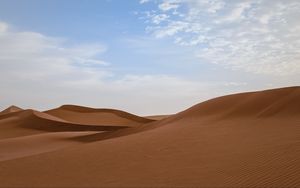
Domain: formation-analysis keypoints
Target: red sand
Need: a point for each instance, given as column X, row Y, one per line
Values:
column 241, row 140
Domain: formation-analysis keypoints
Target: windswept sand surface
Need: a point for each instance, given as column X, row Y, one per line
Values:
column 241, row 140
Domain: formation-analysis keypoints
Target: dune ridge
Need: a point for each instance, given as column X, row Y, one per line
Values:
column 242, row 140
column 32, row 119
column 27, row 122
column 11, row 109
column 260, row 104
column 86, row 115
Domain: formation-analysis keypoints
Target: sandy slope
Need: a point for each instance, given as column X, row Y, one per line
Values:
column 13, row 148
column 85, row 115
column 27, row 122
column 11, row 109
column 158, row 117
column 270, row 103
column 11, row 124
column 241, row 140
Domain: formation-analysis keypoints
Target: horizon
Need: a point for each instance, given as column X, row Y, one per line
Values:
column 74, row 105
column 144, row 56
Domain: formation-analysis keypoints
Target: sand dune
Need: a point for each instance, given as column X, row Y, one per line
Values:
column 241, row 140
column 13, row 148
column 85, row 115
column 158, row 117
column 30, row 121
column 11, row 109
column 262, row 104
column 11, row 125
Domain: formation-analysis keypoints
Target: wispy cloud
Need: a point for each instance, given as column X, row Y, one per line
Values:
column 157, row 19
column 144, row 1
column 39, row 71
column 34, row 54
column 260, row 37
column 169, row 5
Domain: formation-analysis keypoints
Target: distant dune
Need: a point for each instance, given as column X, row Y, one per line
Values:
column 157, row 117
column 240, row 140
column 11, row 109
column 66, row 118
column 85, row 115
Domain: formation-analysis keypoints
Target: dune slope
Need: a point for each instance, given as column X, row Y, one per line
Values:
column 11, row 109
column 85, row 115
column 273, row 103
column 28, row 122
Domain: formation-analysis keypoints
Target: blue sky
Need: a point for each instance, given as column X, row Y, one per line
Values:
column 144, row 56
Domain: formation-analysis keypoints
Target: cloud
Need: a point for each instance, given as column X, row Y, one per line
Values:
column 3, row 27
column 30, row 61
column 238, row 12
column 169, row 5
column 41, row 72
column 157, row 19
column 171, row 29
column 144, row 1
column 209, row 6
column 31, row 56
column 260, row 37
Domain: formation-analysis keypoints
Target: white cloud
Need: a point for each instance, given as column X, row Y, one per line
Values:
column 144, row 1
column 41, row 72
column 210, row 6
column 168, row 5
column 171, row 29
column 264, row 19
column 17, row 45
column 157, row 19
column 30, row 54
column 257, row 36
column 238, row 12
column 3, row 27
column 34, row 63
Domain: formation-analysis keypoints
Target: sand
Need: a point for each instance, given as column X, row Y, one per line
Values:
column 84, row 115
column 157, row 117
column 241, row 140
column 11, row 109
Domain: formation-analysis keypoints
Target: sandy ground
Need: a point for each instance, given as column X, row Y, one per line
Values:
column 240, row 140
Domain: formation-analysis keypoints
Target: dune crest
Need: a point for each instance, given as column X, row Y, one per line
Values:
column 28, row 122
column 283, row 102
column 11, row 109
column 85, row 115
column 32, row 119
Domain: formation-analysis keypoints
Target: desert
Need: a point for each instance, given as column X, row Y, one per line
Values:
column 240, row 140
column 149, row 94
